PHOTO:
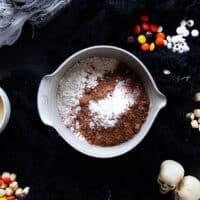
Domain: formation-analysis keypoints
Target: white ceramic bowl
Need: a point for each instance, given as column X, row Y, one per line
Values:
column 48, row 110
column 6, row 110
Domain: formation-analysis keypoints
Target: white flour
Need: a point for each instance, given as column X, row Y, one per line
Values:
column 71, row 87
column 105, row 112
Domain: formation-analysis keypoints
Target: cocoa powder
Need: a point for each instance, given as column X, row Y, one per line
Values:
column 128, row 123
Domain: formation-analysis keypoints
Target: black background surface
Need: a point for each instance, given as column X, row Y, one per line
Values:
column 43, row 160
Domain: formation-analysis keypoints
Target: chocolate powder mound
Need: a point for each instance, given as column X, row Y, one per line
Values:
column 128, row 124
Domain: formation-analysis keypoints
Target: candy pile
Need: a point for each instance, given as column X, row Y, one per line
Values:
column 9, row 188
column 178, row 43
column 148, row 35
column 151, row 35
column 195, row 115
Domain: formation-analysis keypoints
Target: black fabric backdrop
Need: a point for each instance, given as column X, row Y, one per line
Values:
column 43, row 160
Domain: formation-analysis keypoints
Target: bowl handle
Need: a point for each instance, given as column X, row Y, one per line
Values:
column 162, row 100
column 43, row 100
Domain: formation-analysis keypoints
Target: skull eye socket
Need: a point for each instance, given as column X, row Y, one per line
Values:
column 160, row 181
column 171, row 186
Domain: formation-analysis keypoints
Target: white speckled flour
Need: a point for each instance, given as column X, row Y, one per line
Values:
column 83, row 74
column 106, row 112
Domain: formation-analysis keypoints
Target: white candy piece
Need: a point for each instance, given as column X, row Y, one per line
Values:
column 169, row 38
column 166, row 72
column 182, row 30
column 195, row 33
column 14, row 185
column 194, row 124
column 188, row 189
column 13, row 176
column 19, row 191
column 8, row 191
column 190, row 22
column 185, row 47
column 183, row 23
column 26, row 190
column 160, row 29
column 177, row 38
column 197, row 97
column 190, row 116
column 169, row 45
column 6, row 175
column 171, row 173
column 2, row 192
column 196, row 113
column 181, row 50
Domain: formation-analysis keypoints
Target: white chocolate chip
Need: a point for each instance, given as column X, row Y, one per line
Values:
column 196, row 112
column 2, row 192
column 194, row 124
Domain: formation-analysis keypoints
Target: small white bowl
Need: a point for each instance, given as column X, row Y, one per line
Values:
column 6, row 110
column 49, row 114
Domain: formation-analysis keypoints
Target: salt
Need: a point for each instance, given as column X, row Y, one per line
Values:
column 105, row 112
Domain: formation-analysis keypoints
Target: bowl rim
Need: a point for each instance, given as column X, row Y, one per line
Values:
column 78, row 147
column 6, row 109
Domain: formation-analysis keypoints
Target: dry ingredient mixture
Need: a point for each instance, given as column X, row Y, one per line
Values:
column 1, row 110
column 101, row 101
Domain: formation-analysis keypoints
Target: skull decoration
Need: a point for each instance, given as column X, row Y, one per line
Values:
column 188, row 189
column 171, row 173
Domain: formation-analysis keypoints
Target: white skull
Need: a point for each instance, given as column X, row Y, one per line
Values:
column 188, row 189
column 171, row 173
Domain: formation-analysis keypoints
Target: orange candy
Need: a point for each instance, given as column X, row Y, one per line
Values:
column 144, row 18
column 159, row 41
column 145, row 26
column 11, row 198
column 7, row 180
column 136, row 29
column 154, row 27
column 162, row 35
column 145, row 47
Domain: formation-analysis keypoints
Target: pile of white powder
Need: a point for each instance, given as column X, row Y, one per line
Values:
column 105, row 112
column 85, row 74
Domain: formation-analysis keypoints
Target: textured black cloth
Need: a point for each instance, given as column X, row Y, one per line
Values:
column 43, row 160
